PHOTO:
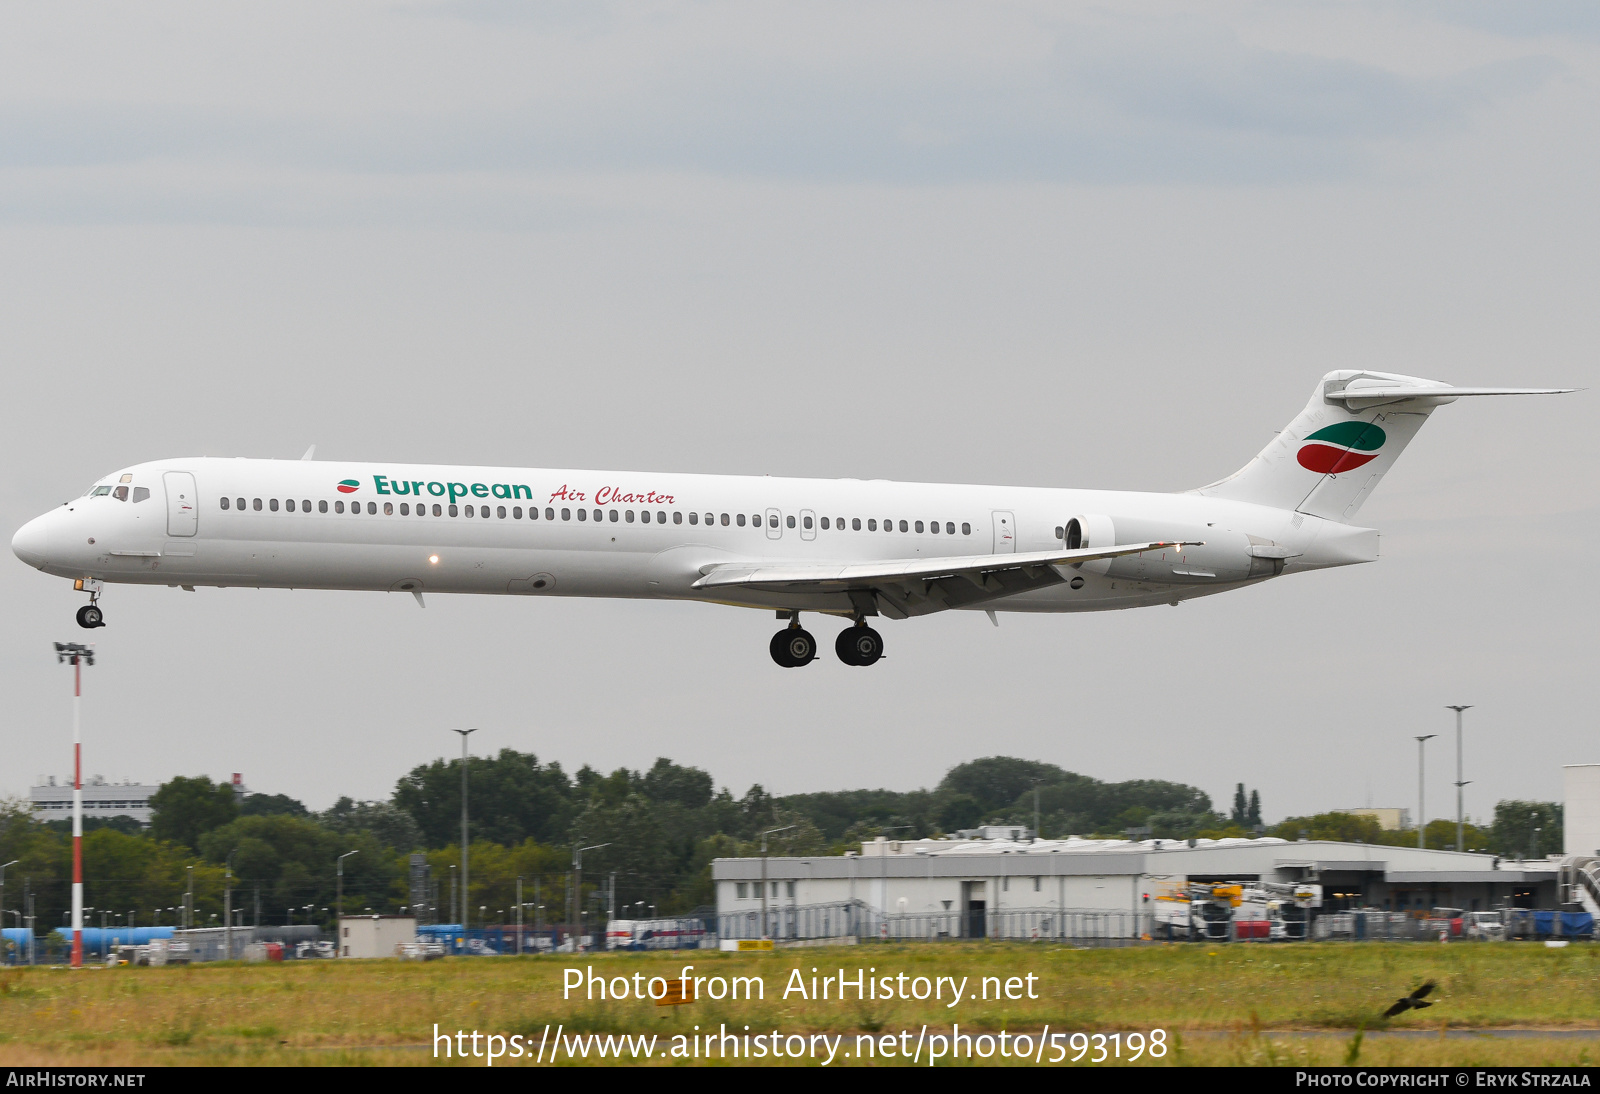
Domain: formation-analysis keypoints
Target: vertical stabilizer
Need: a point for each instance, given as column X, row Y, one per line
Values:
column 1328, row 459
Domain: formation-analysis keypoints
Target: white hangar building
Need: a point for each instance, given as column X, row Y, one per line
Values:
column 1015, row 887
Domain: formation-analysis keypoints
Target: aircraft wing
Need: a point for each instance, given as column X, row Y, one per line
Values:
column 918, row 586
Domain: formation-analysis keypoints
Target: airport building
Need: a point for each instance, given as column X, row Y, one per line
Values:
column 1010, row 888
column 52, row 800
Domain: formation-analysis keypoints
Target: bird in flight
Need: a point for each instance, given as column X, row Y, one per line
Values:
column 1409, row 1002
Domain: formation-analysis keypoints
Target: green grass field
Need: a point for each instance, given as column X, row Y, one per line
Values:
column 1257, row 1004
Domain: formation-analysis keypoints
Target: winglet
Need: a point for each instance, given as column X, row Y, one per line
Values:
column 418, row 594
column 310, row 452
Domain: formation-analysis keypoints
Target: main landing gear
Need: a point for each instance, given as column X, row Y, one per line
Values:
column 858, row 645
column 795, row 646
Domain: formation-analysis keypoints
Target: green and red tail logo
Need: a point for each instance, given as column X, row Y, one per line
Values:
column 350, row 486
column 1342, row 447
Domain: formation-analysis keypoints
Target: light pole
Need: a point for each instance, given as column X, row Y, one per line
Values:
column 1422, row 820
column 77, row 655
column 519, row 915
column 188, row 902
column 3, row 866
column 465, row 733
column 764, row 835
column 1460, row 816
column 227, row 903
column 577, row 869
column 338, row 903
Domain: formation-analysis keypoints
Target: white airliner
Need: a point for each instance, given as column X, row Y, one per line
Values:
column 848, row 548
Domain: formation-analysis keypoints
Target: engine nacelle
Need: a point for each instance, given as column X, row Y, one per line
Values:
column 1221, row 556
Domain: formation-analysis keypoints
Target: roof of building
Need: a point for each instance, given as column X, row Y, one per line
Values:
column 1190, row 858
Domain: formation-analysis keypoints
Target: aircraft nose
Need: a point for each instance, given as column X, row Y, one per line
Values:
column 32, row 542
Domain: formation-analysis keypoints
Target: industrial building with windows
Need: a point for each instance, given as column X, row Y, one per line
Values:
column 978, row 888
column 1000, row 883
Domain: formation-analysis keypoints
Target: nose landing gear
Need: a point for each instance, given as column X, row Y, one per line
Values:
column 90, row 616
column 859, row 645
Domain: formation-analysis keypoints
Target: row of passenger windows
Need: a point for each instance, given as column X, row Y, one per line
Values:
column 645, row 516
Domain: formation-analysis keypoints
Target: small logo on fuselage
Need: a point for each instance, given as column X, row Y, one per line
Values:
column 1344, row 446
column 349, row 486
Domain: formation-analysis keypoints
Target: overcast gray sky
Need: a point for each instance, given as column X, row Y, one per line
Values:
column 1052, row 244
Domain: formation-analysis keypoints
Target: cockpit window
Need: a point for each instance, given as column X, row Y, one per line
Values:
column 100, row 491
column 140, row 493
column 120, row 493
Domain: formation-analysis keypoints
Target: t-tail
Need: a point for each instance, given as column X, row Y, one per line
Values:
column 1329, row 459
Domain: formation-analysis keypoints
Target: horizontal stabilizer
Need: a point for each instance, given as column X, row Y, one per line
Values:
column 1360, row 394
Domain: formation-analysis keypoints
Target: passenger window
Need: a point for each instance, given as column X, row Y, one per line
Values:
column 239, row 502
column 824, row 523
column 120, row 493
column 756, row 521
column 725, row 520
column 677, row 517
column 140, row 493
column 550, row 514
column 1061, row 533
column 272, row 504
column 388, row 508
column 583, row 514
column 322, row 506
column 855, row 524
column 903, row 526
column 694, row 518
column 949, row 528
column 437, row 511
column 338, row 506
column 225, row 503
column 966, row 529
column 372, row 508
column 405, row 509
column 516, row 512
column 740, row 520
column 919, row 527
column 628, row 514
column 789, row 521
column 872, row 525
column 566, row 514
column 305, row 506
column 933, row 526
column 469, row 511
column 644, row 516
column 452, row 510
column 288, row 505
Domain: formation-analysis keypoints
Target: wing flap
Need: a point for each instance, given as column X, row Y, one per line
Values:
column 976, row 569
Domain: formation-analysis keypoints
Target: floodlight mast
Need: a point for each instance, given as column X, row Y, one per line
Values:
column 764, row 835
column 1461, row 826
column 465, row 733
column 77, row 655
column 1422, row 820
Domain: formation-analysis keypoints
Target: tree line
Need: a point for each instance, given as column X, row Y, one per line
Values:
column 662, row 828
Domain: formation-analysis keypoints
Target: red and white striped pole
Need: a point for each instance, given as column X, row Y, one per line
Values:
column 77, row 654
column 77, row 816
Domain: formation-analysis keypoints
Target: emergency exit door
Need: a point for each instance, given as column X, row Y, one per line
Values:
column 183, row 512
